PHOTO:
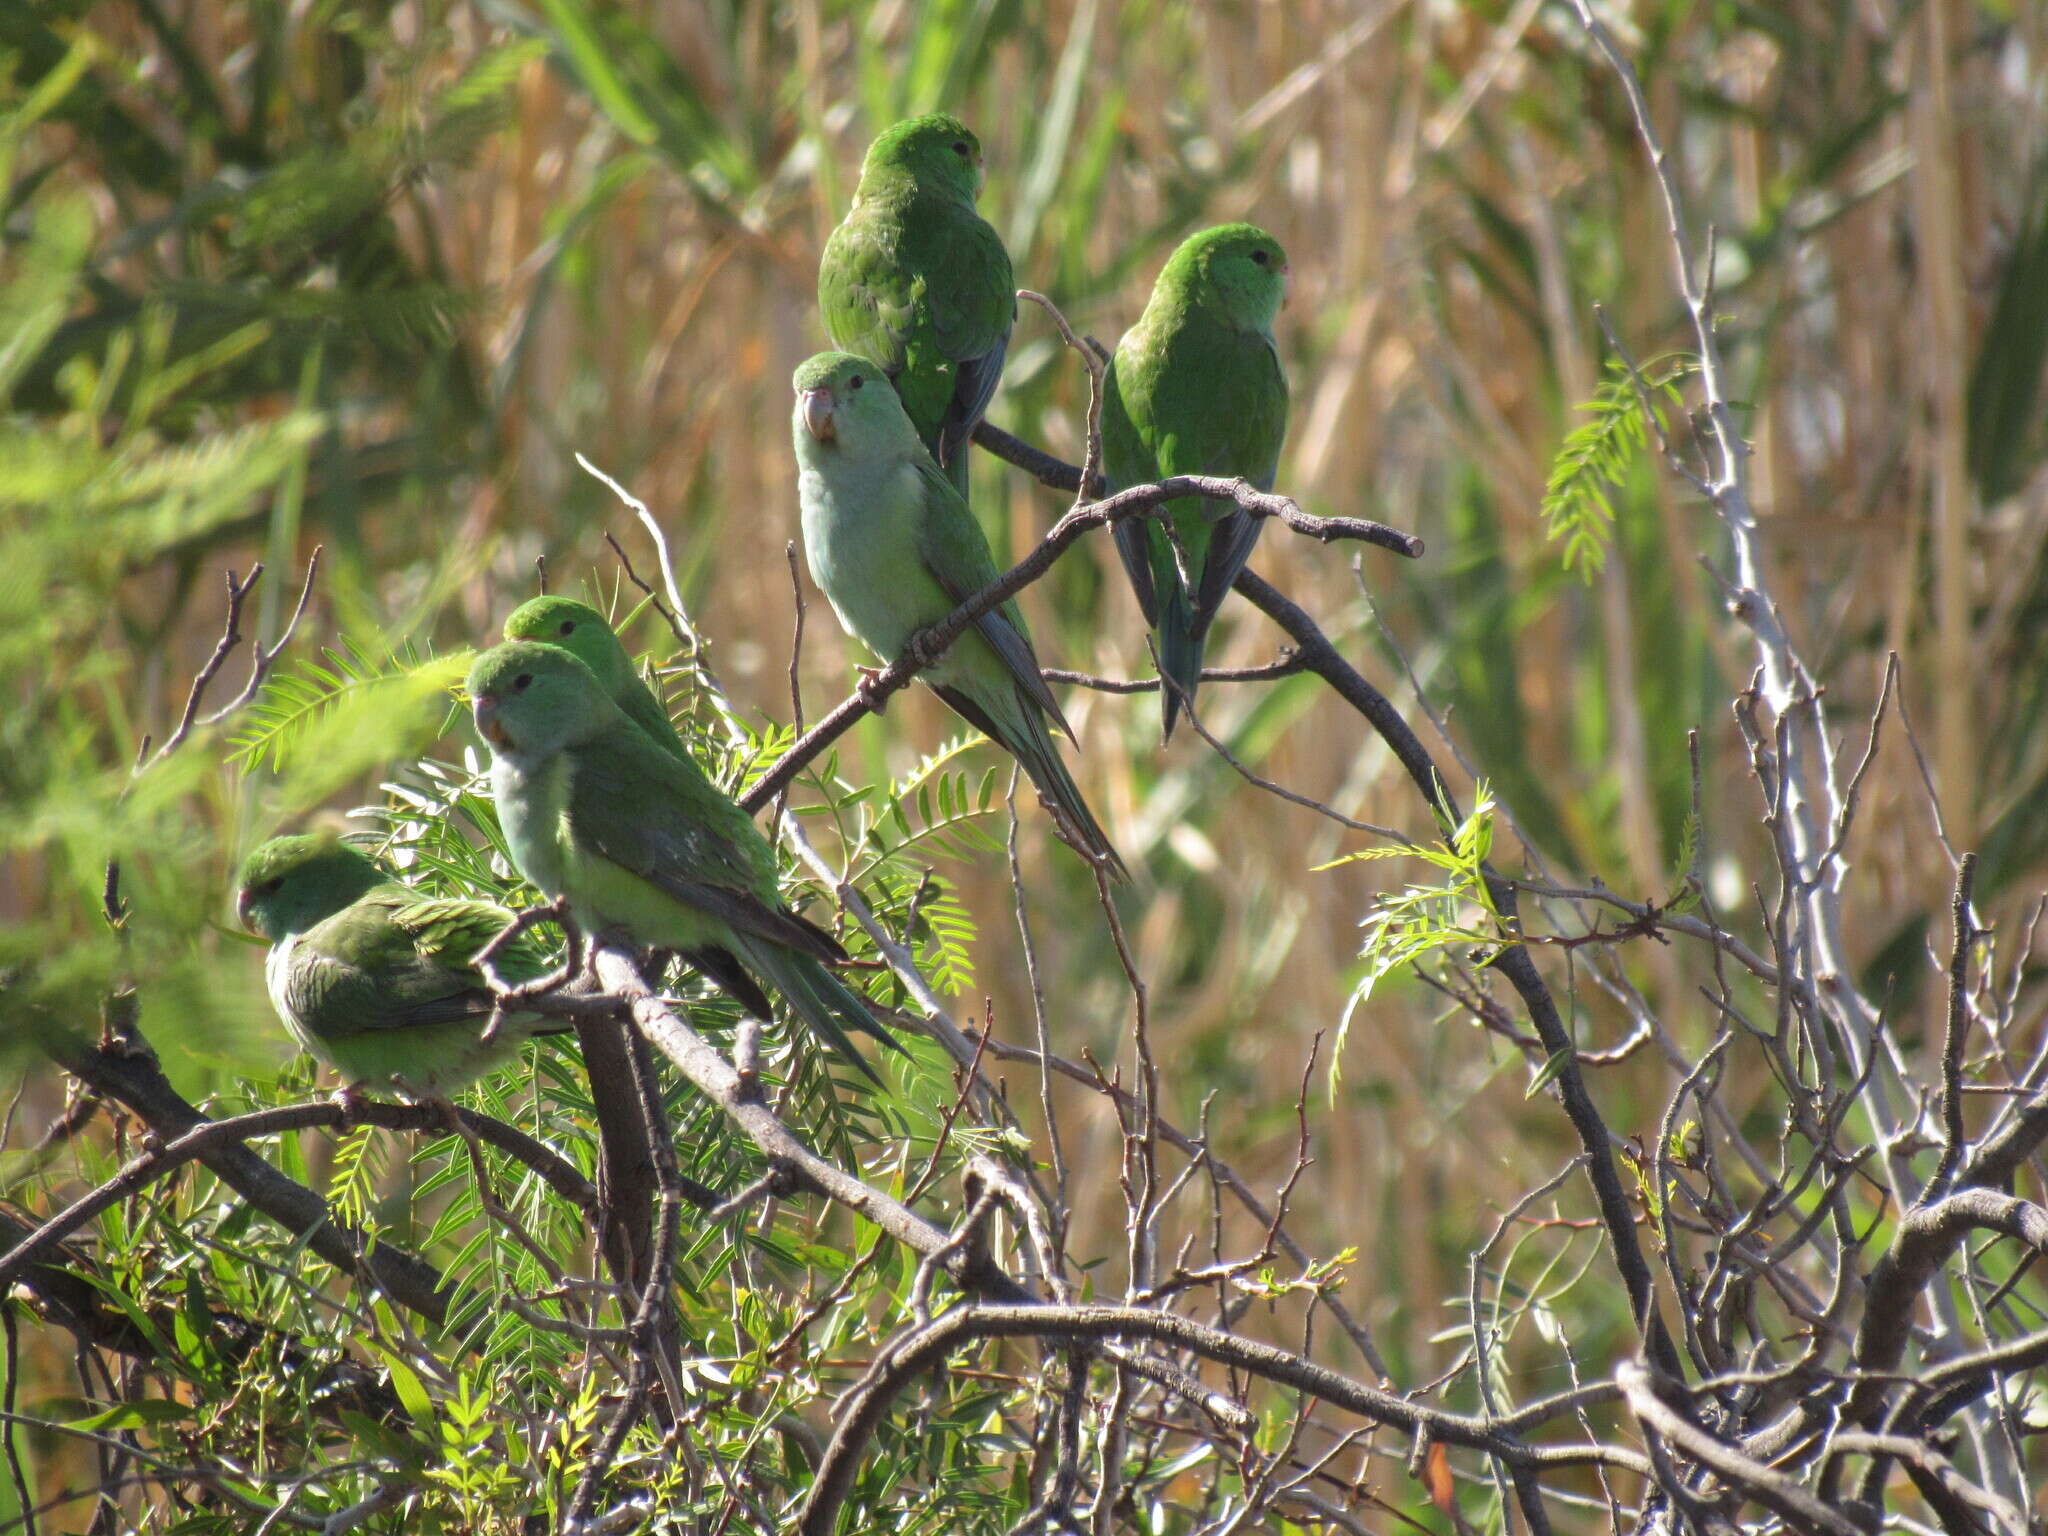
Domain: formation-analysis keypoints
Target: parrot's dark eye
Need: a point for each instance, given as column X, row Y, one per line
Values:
column 1262, row 257
column 855, row 382
column 522, row 682
column 960, row 148
column 568, row 627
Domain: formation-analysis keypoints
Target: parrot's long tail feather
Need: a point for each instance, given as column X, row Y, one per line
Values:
column 825, row 1004
column 1181, row 639
column 724, row 968
column 952, row 465
column 1032, row 744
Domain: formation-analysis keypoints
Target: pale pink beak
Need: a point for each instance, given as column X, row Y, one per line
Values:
column 488, row 726
column 818, row 407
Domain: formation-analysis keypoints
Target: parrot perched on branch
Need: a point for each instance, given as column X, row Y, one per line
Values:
column 918, row 283
column 376, row 979
column 1195, row 388
column 894, row 548
column 638, row 839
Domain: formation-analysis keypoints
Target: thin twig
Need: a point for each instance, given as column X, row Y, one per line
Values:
column 1286, row 666
column 926, row 647
column 238, row 590
column 1967, row 933
column 1292, row 797
column 918, row 1351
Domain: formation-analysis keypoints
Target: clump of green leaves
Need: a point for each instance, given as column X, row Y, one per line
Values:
column 1578, row 505
column 1404, row 927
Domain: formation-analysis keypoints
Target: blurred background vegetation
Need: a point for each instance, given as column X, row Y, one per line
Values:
column 369, row 275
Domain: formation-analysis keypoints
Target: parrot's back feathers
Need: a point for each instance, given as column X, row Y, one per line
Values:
column 1196, row 388
column 919, row 283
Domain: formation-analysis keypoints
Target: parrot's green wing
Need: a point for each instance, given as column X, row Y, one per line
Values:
column 868, row 298
column 1127, row 461
column 1209, row 401
column 922, row 287
column 450, row 931
column 973, row 305
column 1253, row 437
column 363, row 969
column 956, row 553
column 660, row 818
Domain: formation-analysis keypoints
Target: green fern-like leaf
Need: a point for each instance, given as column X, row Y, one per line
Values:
column 352, row 1183
column 300, row 699
column 949, row 933
column 932, row 810
column 1577, row 505
column 1406, row 926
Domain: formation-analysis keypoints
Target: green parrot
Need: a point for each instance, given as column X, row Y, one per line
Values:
column 583, row 632
column 1196, row 389
column 375, row 978
column 894, row 548
column 918, row 283
column 640, row 840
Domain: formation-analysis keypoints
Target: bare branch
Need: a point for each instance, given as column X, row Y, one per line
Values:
column 929, row 645
column 231, row 637
column 133, row 1078
column 208, row 1139
column 1286, row 666
column 1967, row 933
column 919, row 1351
column 1783, row 1495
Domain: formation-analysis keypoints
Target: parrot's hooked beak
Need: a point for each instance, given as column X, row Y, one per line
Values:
column 488, row 726
column 818, row 407
column 245, row 909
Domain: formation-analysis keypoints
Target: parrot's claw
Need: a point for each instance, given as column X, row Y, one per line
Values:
column 866, row 690
column 451, row 1117
column 353, row 1100
column 922, row 650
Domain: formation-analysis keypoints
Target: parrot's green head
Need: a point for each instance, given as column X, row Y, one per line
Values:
column 934, row 153
column 846, row 409
column 578, row 629
column 291, row 883
column 1236, row 268
column 532, row 700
